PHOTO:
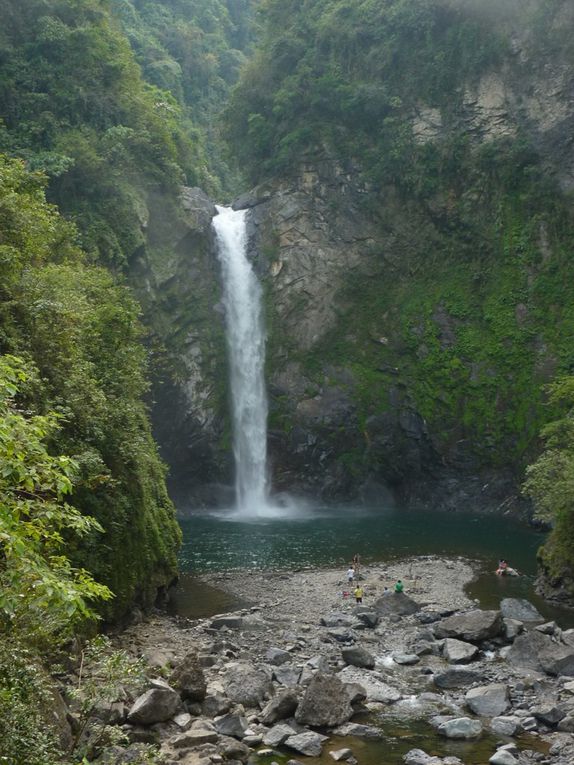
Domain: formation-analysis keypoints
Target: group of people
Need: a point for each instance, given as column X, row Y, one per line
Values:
column 358, row 592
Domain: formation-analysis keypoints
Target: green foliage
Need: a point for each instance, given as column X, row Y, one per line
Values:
column 25, row 697
column 194, row 50
column 105, row 676
column 73, row 104
column 41, row 595
column 345, row 76
column 82, row 331
column 550, row 482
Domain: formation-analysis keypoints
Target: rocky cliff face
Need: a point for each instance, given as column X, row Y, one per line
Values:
column 410, row 338
column 411, row 327
column 176, row 280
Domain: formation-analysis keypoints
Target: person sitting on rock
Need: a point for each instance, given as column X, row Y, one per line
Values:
column 399, row 586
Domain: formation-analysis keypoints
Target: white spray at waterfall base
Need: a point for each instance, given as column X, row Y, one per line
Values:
column 245, row 334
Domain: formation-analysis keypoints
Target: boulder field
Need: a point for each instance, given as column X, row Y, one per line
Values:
column 304, row 663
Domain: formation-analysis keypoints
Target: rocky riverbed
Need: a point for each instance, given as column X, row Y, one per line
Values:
column 304, row 672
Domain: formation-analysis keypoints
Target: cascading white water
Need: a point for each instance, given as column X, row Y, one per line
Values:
column 246, row 347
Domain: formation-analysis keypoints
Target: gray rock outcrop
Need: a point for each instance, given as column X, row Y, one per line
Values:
column 154, row 706
column 488, row 700
column 325, row 702
column 188, row 678
column 471, row 626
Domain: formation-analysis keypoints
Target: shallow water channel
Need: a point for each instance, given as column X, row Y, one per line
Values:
column 329, row 537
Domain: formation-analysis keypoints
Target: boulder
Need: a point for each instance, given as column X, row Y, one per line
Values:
column 231, row 724
column 396, row 603
column 188, row 679
column 368, row 618
column 325, row 702
column 512, row 628
column 244, row 684
column 458, row 652
column 341, row 634
column 287, row 675
column 376, row 689
column 503, row 757
column 278, row 734
column 537, row 651
column 232, row 750
column 520, row 609
column 193, row 738
column 472, row 626
column 549, row 714
column 336, row 619
column 309, row 743
column 280, row 707
column 460, row 727
column 418, row 757
column 488, row 700
column 358, row 730
column 153, row 706
column 457, row 678
column 231, row 622
column 341, row 754
column 277, row 656
column 358, row 656
column 506, row 726
column 406, row 658
column 215, row 705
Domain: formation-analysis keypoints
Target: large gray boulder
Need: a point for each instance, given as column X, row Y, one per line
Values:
column 231, row 724
column 374, row 684
column 488, row 700
column 337, row 619
column 457, row 677
column 309, row 743
column 154, row 706
column 506, row 725
column 472, row 626
column 520, row 609
column 419, row 757
column 287, row 675
column 537, row 651
column 278, row 656
column 280, row 707
column 358, row 656
column 358, row 730
column 396, row 603
column 461, row 727
column 188, row 679
column 326, row 702
column 458, row 652
column 278, row 734
column 244, row 684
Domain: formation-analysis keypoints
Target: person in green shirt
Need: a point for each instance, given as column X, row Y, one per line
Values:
column 399, row 587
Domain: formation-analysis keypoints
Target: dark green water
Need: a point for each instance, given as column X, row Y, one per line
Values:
column 330, row 536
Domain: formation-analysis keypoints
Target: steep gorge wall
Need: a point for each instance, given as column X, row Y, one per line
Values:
column 411, row 335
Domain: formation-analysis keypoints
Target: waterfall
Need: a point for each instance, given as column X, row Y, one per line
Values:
column 246, row 348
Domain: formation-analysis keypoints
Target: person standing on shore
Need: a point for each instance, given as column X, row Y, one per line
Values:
column 350, row 574
column 358, row 594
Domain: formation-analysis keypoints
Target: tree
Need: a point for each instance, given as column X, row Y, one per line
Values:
column 550, row 483
column 42, row 596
